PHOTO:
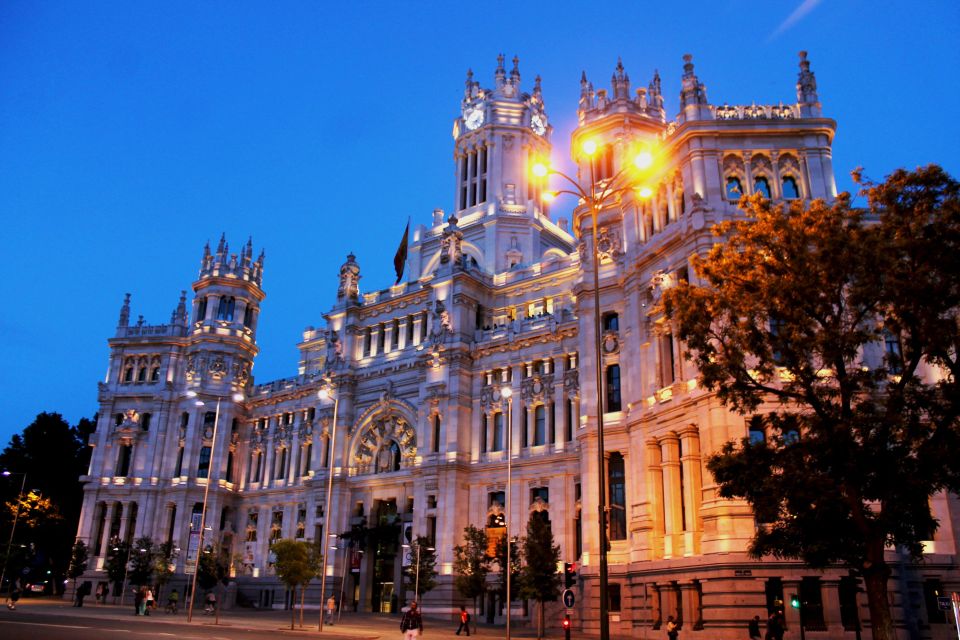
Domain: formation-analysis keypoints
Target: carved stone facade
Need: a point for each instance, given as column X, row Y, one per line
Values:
column 499, row 295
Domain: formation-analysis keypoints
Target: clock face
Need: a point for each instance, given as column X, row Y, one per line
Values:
column 473, row 118
column 538, row 123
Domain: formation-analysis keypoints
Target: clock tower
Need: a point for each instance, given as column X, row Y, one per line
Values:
column 498, row 136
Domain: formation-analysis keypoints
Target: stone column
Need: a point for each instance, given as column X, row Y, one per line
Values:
column 792, row 616
column 389, row 338
column 830, row 596
column 108, row 521
column 518, row 418
column 125, row 518
column 692, row 483
column 656, row 497
column 402, row 337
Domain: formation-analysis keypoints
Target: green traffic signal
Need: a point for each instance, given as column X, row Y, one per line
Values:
column 794, row 601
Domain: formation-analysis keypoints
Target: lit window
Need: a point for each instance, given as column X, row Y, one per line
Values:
column 539, row 422
column 789, row 188
column 613, row 388
column 203, row 466
column 497, row 432
column 611, row 322
column 892, row 347
column 618, row 497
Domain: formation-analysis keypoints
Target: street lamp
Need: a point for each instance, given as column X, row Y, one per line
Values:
column 326, row 393
column 211, row 468
column 416, row 587
column 507, row 392
column 626, row 180
column 16, row 516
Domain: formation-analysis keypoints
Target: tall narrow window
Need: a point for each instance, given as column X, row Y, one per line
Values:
column 123, row 460
column 201, row 310
column 539, row 425
column 472, row 197
column 307, row 454
column 762, row 186
column 891, row 345
column 178, row 471
column 381, row 337
column 734, row 189
column 568, row 426
column 142, row 374
column 226, row 308
column 248, row 317
column 613, row 388
column 497, row 431
column 203, row 464
column 410, row 325
column 464, row 162
column 128, row 373
column 482, row 175
column 229, row 473
column 618, row 497
column 789, row 187
column 613, row 599
column 145, row 421
column 155, row 373
column 436, row 432
column 282, row 465
column 668, row 371
column 368, row 342
column 611, row 321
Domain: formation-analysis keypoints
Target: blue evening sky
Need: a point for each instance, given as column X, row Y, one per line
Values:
column 133, row 132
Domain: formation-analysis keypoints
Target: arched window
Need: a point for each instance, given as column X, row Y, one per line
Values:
column 128, row 373
column 611, row 321
column 539, row 425
column 762, row 186
column 789, row 188
column 248, row 317
column 155, row 373
column 497, row 431
column 613, row 388
column 734, row 189
column 618, row 497
column 142, row 374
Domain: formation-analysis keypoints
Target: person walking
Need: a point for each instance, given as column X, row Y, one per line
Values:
column 412, row 623
column 775, row 627
column 82, row 592
column 753, row 628
column 172, row 601
column 13, row 597
column 331, row 610
column 149, row 601
column 100, row 594
column 138, row 599
column 673, row 631
column 464, row 621
column 211, row 606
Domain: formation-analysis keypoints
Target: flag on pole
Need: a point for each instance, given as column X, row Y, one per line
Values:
column 400, row 259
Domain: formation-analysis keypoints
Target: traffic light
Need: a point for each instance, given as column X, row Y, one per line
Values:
column 569, row 574
column 794, row 601
column 566, row 623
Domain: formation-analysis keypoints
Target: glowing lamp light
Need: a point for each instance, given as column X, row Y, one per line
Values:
column 643, row 160
column 644, row 192
column 540, row 170
column 589, row 147
column 506, row 392
column 549, row 196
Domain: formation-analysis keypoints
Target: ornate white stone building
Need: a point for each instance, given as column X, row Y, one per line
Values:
column 497, row 294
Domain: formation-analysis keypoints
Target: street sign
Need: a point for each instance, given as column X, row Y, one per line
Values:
column 568, row 598
column 943, row 603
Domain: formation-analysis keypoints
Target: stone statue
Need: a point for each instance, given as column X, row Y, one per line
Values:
column 349, row 279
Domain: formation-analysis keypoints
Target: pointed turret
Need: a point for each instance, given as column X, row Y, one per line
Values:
column 537, row 90
column 349, row 289
column 807, row 89
column 693, row 95
column 620, row 82
column 500, row 75
column 179, row 315
column 124, row 312
column 515, row 72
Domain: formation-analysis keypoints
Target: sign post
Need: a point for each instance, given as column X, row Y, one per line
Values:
column 568, row 599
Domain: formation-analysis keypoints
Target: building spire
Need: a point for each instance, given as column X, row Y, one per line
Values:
column 620, row 82
column 515, row 72
column 692, row 91
column 124, row 312
column 500, row 76
column 179, row 315
column 807, row 88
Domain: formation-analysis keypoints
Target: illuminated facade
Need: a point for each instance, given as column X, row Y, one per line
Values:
column 497, row 294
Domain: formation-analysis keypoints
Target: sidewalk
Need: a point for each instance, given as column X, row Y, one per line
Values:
column 353, row 626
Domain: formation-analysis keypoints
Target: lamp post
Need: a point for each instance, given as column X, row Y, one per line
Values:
column 595, row 199
column 416, row 581
column 507, row 392
column 16, row 516
column 326, row 393
column 211, row 468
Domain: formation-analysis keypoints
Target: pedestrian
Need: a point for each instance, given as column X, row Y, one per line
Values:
column 753, row 628
column 673, row 631
column 172, row 601
column 464, row 621
column 14, row 596
column 149, row 604
column 211, row 606
column 138, row 601
column 82, row 592
column 99, row 594
column 412, row 623
column 331, row 610
column 774, row 627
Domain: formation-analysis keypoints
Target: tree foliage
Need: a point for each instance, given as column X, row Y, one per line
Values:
column 53, row 455
column 143, row 561
column 296, row 564
column 79, row 555
column 427, row 566
column 539, row 578
column 516, row 561
column 837, row 328
column 471, row 564
column 165, row 560
column 118, row 553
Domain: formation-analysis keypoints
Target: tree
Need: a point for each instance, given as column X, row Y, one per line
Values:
column 296, row 565
column 165, row 561
column 79, row 555
column 118, row 554
column 836, row 328
column 539, row 578
column 471, row 564
column 53, row 455
column 143, row 561
column 422, row 559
